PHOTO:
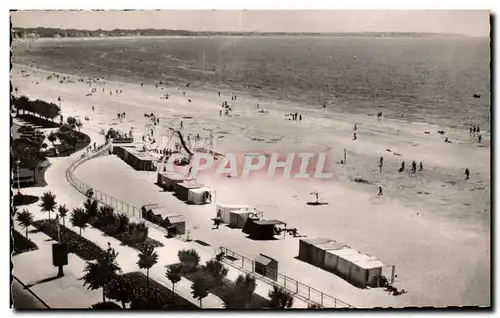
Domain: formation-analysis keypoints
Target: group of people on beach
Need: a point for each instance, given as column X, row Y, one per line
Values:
column 225, row 108
column 476, row 130
column 294, row 116
column 413, row 166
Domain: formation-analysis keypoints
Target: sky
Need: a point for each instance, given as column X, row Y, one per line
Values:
column 470, row 23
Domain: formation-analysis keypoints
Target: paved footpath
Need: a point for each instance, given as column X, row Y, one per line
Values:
column 54, row 293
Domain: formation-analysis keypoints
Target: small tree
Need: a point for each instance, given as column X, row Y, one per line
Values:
column 63, row 212
column 147, row 259
column 189, row 259
column 215, row 270
column 136, row 233
column 91, row 207
column 52, row 138
column 25, row 219
column 280, row 298
column 101, row 273
column 48, row 202
column 240, row 296
column 71, row 121
column 79, row 219
column 120, row 289
column 174, row 274
column 200, row 289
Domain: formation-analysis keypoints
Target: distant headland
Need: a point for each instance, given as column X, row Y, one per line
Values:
column 74, row 33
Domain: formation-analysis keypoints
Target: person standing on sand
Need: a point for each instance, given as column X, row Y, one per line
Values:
column 381, row 163
column 402, row 166
column 300, row 117
column 479, row 138
column 414, row 166
column 467, row 173
column 421, row 166
column 355, row 126
column 218, row 93
column 380, row 191
column 478, row 130
column 182, row 124
column 354, row 137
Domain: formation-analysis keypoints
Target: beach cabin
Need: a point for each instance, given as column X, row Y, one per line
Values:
column 357, row 268
column 238, row 218
column 266, row 266
column 313, row 250
column 168, row 180
column 200, row 196
column 262, row 229
column 138, row 160
column 182, row 190
column 224, row 210
column 173, row 222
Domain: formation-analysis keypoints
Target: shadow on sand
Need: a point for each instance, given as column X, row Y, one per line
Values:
column 317, row 203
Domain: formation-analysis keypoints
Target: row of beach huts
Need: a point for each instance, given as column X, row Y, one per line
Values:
column 358, row 268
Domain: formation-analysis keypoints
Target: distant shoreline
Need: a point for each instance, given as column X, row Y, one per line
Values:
column 154, row 33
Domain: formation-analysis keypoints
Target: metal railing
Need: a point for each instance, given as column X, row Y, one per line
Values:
column 298, row 289
column 100, row 196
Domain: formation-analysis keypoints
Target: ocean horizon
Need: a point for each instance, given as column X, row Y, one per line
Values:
column 419, row 79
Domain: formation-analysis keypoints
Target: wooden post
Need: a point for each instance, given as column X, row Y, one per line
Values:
column 345, row 156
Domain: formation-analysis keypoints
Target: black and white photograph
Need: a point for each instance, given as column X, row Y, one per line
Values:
column 250, row 159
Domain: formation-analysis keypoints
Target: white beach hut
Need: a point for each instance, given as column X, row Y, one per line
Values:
column 200, row 196
column 225, row 210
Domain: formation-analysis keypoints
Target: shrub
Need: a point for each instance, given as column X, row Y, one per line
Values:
column 106, row 305
column 78, row 245
column 20, row 199
column 136, row 233
column 22, row 244
column 189, row 259
column 155, row 295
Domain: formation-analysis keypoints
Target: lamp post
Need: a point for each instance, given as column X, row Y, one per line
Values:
column 18, row 185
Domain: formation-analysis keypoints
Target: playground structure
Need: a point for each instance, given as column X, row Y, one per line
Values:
column 173, row 142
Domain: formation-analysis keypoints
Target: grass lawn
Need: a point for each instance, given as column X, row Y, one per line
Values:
column 21, row 243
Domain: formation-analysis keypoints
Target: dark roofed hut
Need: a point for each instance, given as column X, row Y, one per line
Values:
column 262, row 229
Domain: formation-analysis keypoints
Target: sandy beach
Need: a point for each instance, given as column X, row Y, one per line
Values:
column 433, row 225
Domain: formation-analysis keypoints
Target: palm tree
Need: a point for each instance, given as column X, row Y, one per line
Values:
column 79, row 219
column 63, row 211
column 280, row 298
column 174, row 274
column 48, row 202
column 100, row 273
column 147, row 259
column 25, row 218
column 200, row 289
